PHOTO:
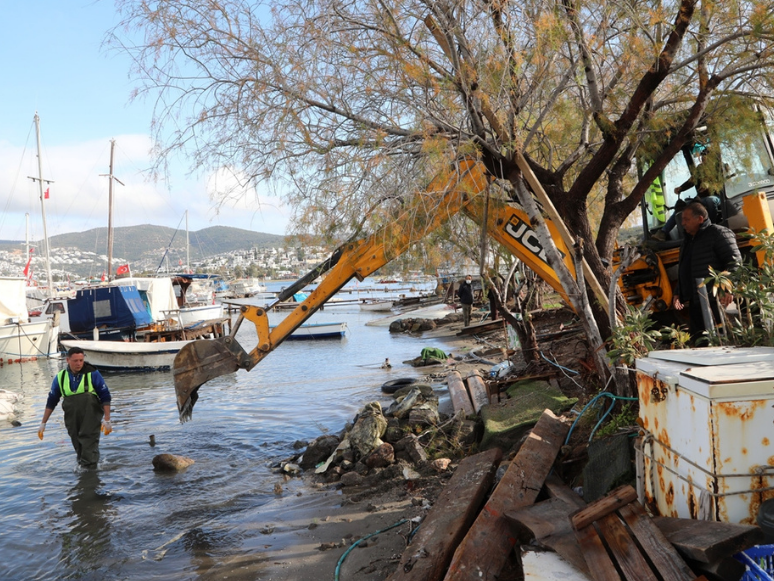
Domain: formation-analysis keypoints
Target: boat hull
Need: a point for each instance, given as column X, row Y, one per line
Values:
column 120, row 356
column 28, row 340
column 317, row 331
column 376, row 306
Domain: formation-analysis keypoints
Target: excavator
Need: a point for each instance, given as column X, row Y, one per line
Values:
column 746, row 197
column 646, row 283
column 461, row 190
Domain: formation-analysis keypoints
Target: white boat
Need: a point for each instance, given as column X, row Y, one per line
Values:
column 314, row 331
column 246, row 287
column 129, row 356
column 21, row 339
column 188, row 316
column 376, row 305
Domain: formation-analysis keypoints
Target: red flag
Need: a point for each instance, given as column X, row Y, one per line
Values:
column 46, row 194
column 27, row 266
column 180, row 262
column 103, row 276
column 123, row 269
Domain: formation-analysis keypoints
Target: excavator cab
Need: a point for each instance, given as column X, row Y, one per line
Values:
column 740, row 174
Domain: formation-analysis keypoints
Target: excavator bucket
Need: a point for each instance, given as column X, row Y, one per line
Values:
column 197, row 363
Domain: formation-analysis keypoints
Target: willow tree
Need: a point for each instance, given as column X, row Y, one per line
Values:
column 348, row 106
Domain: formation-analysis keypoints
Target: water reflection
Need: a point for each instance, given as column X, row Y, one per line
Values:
column 87, row 542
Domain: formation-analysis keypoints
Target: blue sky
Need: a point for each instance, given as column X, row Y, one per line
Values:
column 53, row 63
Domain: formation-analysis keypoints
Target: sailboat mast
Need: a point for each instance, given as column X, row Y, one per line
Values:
column 187, row 246
column 49, row 278
column 110, row 213
column 111, row 178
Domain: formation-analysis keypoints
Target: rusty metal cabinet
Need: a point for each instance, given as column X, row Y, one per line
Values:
column 708, row 422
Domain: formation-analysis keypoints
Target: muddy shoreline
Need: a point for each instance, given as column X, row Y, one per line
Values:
column 314, row 524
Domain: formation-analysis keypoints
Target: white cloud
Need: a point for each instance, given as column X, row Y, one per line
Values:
column 79, row 195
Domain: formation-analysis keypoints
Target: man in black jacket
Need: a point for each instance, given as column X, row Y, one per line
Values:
column 705, row 244
column 465, row 293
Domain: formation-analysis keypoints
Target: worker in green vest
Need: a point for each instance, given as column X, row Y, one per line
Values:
column 86, row 406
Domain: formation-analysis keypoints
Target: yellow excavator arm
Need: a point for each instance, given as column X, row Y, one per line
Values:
column 447, row 195
column 201, row 361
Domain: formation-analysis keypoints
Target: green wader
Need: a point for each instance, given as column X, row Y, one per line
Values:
column 83, row 420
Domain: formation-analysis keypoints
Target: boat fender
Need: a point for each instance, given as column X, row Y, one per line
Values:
column 394, row 385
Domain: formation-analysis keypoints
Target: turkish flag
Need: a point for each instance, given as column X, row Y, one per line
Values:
column 123, row 269
column 103, row 276
column 46, row 194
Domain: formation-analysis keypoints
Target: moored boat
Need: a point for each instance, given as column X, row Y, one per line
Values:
column 20, row 338
column 129, row 356
column 313, row 331
column 376, row 305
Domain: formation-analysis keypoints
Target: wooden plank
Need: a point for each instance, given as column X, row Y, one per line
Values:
column 477, row 390
column 708, row 541
column 432, row 548
column 625, row 551
column 485, row 549
column 662, row 554
column 548, row 522
column 599, row 563
column 595, row 511
column 459, row 395
column 558, row 489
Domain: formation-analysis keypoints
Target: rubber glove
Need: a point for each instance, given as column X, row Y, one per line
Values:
column 107, row 427
column 41, row 429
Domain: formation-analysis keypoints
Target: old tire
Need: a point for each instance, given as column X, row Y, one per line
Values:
column 395, row 384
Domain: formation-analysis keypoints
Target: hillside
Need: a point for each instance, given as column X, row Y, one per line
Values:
column 134, row 243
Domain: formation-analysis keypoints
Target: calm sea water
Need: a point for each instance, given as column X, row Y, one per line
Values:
column 125, row 521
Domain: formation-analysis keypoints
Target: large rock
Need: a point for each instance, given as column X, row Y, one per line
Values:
column 367, row 432
column 410, row 444
column 171, row 462
column 380, row 457
column 318, row 451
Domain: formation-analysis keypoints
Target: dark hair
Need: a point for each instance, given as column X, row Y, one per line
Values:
column 74, row 350
column 698, row 209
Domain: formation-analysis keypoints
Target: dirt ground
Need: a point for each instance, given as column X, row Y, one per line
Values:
column 310, row 534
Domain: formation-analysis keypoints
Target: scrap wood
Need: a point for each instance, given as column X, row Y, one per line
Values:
column 614, row 530
column 549, row 523
column 708, row 541
column 431, row 550
column 485, row 549
column 459, row 395
column 477, row 390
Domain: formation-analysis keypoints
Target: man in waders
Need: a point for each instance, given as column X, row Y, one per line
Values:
column 86, row 406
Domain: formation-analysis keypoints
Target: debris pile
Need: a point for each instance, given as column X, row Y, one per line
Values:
column 404, row 441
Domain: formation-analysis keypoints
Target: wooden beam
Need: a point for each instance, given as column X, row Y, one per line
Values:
column 613, row 501
column 431, row 550
column 459, row 395
column 708, row 541
column 485, row 549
